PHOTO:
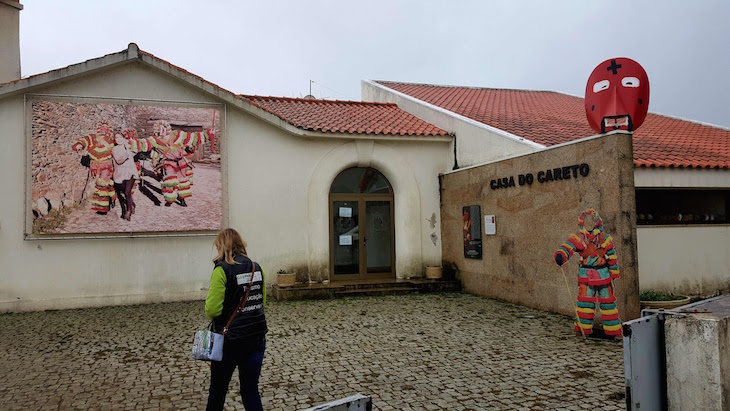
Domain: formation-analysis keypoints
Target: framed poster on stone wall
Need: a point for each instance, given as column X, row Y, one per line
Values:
column 472, row 216
column 123, row 167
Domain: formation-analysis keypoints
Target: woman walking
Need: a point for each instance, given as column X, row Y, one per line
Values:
column 245, row 340
column 125, row 173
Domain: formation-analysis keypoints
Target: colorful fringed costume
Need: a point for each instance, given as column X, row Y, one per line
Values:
column 174, row 146
column 178, row 169
column 598, row 267
column 99, row 147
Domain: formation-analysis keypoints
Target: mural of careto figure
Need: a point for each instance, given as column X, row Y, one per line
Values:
column 175, row 147
column 179, row 146
column 597, row 269
column 99, row 147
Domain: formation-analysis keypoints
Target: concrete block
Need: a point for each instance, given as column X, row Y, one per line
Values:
column 698, row 358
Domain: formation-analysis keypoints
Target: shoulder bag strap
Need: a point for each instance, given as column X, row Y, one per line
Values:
column 243, row 300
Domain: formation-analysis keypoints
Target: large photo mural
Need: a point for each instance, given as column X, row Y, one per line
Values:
column 100, row 167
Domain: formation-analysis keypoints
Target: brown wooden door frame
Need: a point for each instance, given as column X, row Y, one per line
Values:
column 362, row 200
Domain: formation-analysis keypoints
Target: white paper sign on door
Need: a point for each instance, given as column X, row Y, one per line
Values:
column 490, row 225
column 345, row 240
column 345, row 212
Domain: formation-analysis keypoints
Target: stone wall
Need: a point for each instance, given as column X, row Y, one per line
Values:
column 533, row 220
column 57, row 176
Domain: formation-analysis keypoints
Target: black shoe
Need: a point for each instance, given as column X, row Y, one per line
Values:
column 101, row 212
column 168, row 204
column 183, row 203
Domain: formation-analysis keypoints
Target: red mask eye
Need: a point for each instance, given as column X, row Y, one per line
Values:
column 630, row 82
column 601, row 85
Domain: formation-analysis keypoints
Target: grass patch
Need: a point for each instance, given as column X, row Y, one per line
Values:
column 55, row 219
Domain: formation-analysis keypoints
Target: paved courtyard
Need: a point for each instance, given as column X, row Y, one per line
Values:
column 413, row 352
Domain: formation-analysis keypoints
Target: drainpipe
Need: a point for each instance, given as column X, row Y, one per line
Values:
column 456, row 162
column 10, row 40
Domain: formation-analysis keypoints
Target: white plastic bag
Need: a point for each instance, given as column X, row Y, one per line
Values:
column 208, row 346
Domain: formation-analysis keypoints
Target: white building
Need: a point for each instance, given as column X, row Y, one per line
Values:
column 682, row 169
column 280, row 158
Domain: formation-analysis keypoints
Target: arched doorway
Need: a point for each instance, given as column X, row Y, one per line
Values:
column 362, row 235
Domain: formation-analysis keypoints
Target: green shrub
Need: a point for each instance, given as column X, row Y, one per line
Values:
column 652, row 295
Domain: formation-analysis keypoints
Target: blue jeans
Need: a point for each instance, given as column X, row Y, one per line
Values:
column 247, row 355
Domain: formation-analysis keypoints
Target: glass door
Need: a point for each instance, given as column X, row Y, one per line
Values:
column 346, row 241
column 378, row 240
column 362, row 235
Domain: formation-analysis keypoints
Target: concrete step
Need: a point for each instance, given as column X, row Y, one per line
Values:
column 371, row 291
column 337, row 290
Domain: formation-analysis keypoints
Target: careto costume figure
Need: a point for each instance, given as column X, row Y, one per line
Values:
column 99, row 146
column 176, row 186
column 597, row 268
column 176, row 148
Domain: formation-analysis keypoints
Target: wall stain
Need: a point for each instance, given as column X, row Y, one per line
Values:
column 432, row 220
column 508, row 246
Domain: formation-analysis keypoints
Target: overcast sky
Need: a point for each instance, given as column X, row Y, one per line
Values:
column 275, row 47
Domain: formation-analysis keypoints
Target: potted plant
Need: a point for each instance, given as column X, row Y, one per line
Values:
column 285, row 278
column 661, row 299
column 434, row 272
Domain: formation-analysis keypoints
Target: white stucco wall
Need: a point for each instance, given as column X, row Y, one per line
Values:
column 682, row 259
column 681, row 178
column 273, row 200
column 290, row 176
column 412, row 170
column 476, row 143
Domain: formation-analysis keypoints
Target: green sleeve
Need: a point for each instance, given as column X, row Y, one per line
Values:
column 216, row 294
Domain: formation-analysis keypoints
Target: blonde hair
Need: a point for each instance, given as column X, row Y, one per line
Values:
column 229, row 244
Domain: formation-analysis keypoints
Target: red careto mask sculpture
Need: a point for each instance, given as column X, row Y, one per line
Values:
column 617, row 95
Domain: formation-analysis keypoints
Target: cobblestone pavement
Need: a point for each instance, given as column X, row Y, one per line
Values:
column 203, row 212
column 414, row 352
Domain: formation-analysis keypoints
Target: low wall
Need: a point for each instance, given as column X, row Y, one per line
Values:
column 684, row 259
column 533, row 220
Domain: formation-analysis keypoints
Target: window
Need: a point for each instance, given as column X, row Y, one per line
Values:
column 360, row 181
column 661, row 206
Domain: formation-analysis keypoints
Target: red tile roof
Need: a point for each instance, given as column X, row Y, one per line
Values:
column 551, row 118
column 317, row 115
column 354, row 117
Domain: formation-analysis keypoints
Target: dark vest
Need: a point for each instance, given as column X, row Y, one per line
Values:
column 250, row 321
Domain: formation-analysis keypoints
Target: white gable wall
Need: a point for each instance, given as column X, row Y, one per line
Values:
column 37, row 274
column 476, row 143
